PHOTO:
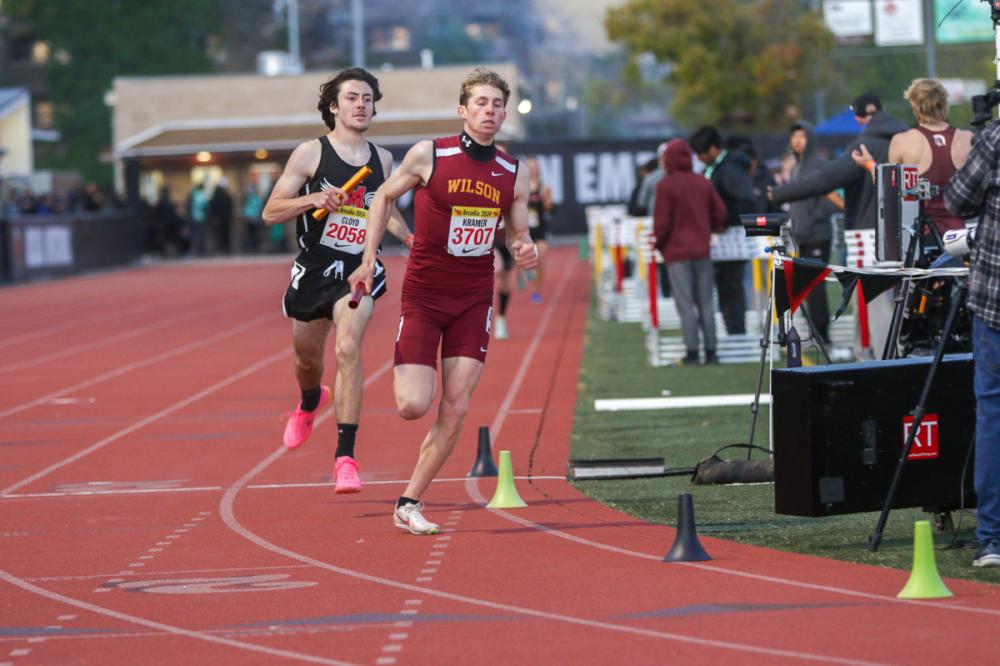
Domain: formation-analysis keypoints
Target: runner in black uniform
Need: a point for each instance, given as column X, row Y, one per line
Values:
column 330, row 250
column 540, row 206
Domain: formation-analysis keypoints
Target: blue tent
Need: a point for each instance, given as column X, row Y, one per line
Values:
column 842, row 124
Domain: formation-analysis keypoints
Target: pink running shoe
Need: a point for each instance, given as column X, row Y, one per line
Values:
column 300, row 423
column 345, row 472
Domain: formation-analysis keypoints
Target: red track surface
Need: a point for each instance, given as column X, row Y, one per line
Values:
column 150, row 514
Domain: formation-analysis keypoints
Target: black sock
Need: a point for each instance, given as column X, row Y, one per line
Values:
column 346, row 432
column 310, row 399
column 405, row 500
column 504, row 299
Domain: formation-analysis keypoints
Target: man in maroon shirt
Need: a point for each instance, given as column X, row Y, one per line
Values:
column 464, row 187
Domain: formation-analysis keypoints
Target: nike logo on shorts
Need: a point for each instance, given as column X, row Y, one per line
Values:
column 482, row 349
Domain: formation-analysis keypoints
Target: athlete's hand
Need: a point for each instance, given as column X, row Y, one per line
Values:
column 525, row 253
column 330, row 199
column 365, row 275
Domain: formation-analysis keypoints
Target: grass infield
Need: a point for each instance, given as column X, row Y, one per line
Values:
column 615, row 366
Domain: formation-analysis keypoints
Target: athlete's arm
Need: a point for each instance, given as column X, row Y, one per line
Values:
column 518, row 240
column 415, row 169
column 397, row 224
column 285, row 203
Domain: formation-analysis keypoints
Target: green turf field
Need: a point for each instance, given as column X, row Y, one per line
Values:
column 615, row 366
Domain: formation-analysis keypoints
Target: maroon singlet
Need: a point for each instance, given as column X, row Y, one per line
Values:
column 940, row 172
column 455, row 221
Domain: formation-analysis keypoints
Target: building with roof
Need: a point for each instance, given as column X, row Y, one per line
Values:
column 15, row 132
column 177, row 131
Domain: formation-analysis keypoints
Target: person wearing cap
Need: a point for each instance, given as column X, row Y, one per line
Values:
column 860, row 202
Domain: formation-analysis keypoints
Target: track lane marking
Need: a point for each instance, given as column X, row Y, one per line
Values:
column 228, row 515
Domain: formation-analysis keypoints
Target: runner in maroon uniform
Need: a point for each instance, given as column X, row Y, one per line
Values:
column 465, row 186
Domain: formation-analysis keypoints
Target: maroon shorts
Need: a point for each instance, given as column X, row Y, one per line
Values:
column 461, row 325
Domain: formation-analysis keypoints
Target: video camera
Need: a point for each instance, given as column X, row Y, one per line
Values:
column 901, row 191
column 959, row 242
column 983, row 105
column 763, row 224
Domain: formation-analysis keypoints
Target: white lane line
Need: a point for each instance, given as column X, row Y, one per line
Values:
column 229, row 519
column 683, row 402
column 121, row 370
column 268, row 486
column 249, row 370
column 170, row 629
column 104, row 342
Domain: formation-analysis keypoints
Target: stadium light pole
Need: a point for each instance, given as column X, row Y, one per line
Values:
column 358, row 29
column 928, row 6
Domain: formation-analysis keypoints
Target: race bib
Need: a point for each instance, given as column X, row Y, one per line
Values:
column 533, row 218
column 472, row 230
column 346, row 230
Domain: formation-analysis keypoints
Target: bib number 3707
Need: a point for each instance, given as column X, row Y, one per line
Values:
column 471, row 231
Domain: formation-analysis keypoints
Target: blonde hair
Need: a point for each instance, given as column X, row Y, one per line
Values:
column 929, row 99
column 480, row 77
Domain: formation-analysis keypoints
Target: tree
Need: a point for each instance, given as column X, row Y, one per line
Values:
column 93, row 42
column 732, row 61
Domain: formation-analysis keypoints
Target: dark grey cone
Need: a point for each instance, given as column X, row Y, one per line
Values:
column 484, row 465
column 686, row 546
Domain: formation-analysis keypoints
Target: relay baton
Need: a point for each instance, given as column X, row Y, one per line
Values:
column 352, row 182
column 356, row 295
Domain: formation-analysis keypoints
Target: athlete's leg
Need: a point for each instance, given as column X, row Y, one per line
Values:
column 350, row 377
column 460, row 375
column 415, row 385
column 308, row 342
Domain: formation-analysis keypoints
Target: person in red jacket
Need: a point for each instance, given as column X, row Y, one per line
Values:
column 687, row 211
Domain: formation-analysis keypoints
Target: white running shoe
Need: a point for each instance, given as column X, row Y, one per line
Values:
column 501, row 328
column 408, row 517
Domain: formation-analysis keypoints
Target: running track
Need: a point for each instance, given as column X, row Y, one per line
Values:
column 150, row 514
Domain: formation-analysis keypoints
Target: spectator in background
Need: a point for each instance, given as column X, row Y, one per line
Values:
column 811, row 226
column 221, row 215
column 167, row 232
column 252, row 207
column 878, row 128
column 687, row 211
column 730, row 174
column 646, row 197
column 634, row 208
column 198, row 218
column 760, row 175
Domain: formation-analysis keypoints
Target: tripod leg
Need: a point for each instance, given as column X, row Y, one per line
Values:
column 764, row 344
column 918, row 415
column 812, row 331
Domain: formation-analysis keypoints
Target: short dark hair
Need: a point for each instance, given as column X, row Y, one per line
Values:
column 328, row 92
column 863, row 101
column 797, row 127
column 704, row 138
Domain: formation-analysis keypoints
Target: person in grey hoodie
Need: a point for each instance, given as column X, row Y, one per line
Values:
column 860, row 205
column 811, row 226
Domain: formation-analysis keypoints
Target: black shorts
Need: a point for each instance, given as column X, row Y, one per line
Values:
column 506, row 260
column 319, row 281
column 539, row 233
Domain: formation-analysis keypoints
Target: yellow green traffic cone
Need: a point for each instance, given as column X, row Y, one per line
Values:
column 506, row 496
column 924, row 583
